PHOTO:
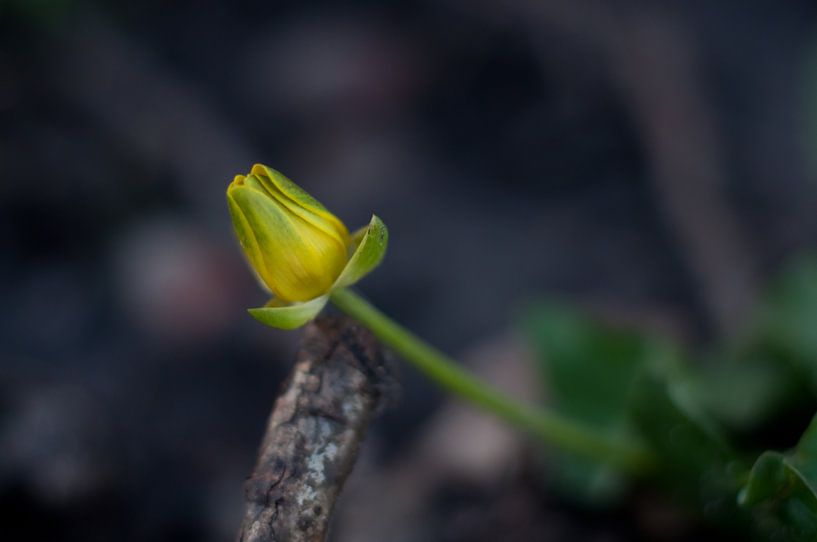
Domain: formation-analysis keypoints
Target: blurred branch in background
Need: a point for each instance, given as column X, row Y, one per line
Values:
column 653, row 61
column 657, row 70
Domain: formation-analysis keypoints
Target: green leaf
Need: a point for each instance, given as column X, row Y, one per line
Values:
column 786, row 327
column 588, row 370
column 745, row 393
column 290, row 316
column 771, row 371
column 781, row 491
column 368, row 254
column 698, row 466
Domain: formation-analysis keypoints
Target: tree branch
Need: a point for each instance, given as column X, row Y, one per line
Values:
column 314, row 432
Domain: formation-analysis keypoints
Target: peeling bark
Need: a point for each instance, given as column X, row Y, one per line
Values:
column 314, row 432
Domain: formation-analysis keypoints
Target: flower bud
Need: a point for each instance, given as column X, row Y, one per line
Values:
column 300, row 251
column 296, row 247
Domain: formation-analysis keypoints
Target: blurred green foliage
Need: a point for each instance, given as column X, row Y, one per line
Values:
column 692, row 409
column 38, row 11
column 781, row 490
column 786, row 329
column 589, row 370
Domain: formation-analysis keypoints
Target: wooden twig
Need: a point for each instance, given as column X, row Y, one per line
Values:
column 314, row 432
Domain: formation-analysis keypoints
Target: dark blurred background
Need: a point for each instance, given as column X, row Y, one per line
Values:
column 654, row 160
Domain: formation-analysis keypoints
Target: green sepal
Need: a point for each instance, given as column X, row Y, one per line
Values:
column 289, row 316
column 368, row 254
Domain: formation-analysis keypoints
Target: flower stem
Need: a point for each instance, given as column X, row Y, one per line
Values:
column 547, row 426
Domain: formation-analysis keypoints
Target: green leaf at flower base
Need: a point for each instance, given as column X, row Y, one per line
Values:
column 781, row 491
column 290, row 316
column 368, row 254
column 588, row 369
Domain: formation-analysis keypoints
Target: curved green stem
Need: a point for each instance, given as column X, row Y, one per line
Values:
column 546, row 425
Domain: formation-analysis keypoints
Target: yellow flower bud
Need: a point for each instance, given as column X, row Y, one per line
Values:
column 300, row 251
column 296, row 247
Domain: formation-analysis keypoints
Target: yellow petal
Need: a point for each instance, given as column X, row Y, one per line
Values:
column 246, row 237
column 300, row 202
column 299, row 261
